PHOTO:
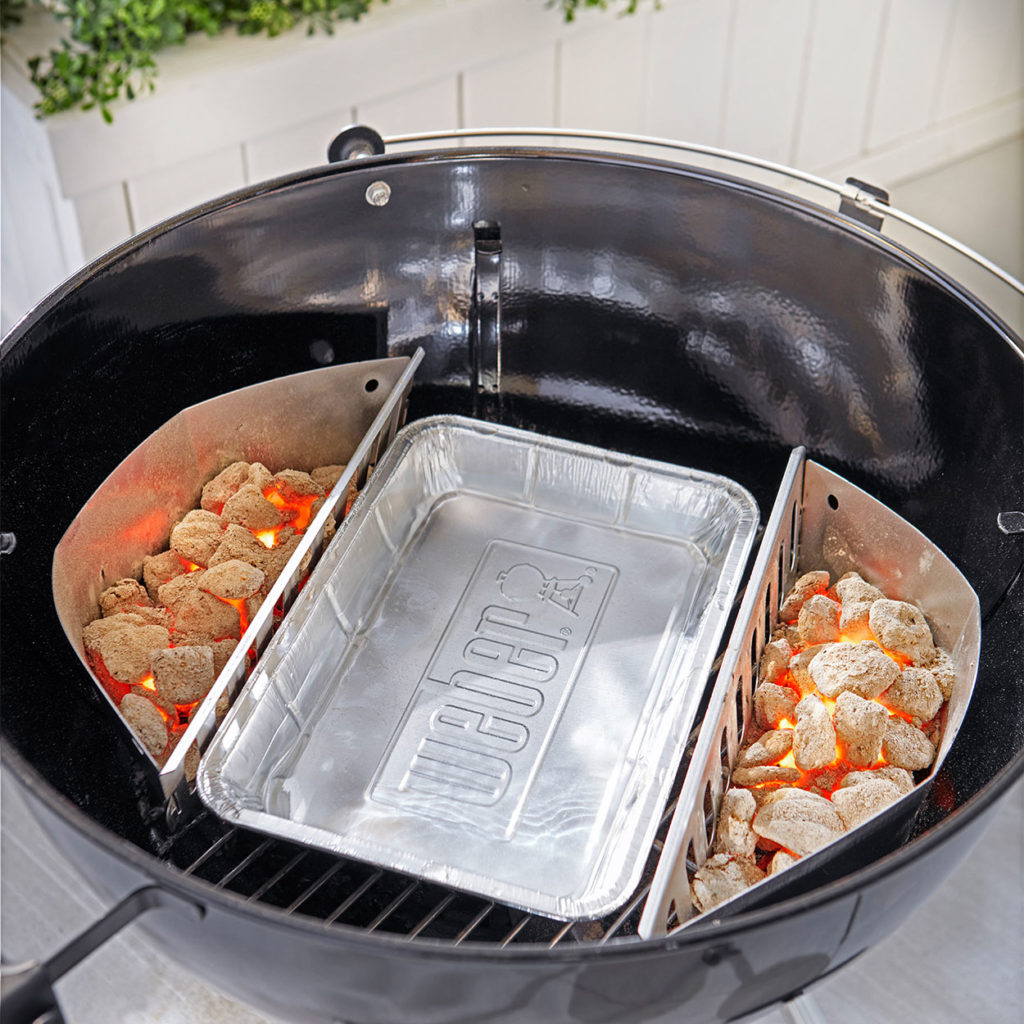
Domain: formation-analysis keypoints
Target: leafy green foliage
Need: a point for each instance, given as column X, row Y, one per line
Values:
column 570, row 7
column 109, row 46
column 10, row 12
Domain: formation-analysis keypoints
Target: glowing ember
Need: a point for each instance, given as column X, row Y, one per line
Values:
column 299, row 508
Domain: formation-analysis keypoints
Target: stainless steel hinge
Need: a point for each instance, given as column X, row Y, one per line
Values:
column 861, row 202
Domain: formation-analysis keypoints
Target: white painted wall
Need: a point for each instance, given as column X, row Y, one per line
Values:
column 883, row 89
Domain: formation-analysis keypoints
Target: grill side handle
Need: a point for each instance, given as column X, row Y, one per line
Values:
column 26, row 989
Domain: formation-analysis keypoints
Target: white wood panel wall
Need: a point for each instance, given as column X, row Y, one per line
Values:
column 885, row 89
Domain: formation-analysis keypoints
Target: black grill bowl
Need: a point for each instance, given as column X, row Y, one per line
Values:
column 657, row 309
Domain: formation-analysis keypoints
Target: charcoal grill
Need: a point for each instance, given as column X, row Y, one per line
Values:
column 676, row 304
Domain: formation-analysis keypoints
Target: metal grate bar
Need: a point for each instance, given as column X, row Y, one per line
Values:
column 393, row 906
column 432, row 916
column 245, row 862
column 523, row 921
column 488, row 907
column 560, row 934
column 368, row 884
column 210, row 851
column 315, row 886
column 627, row 910
column 271, row 882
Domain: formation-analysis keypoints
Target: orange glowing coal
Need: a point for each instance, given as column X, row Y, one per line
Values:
column 243, row 612
column 856, row 633
column 300, row 507
column 297, row 512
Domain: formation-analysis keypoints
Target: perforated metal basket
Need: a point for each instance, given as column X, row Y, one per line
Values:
column 819, row 521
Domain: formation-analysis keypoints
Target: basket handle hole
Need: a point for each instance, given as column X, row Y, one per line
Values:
column 833, row 502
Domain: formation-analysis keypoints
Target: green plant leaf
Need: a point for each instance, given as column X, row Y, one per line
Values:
column 108, row 52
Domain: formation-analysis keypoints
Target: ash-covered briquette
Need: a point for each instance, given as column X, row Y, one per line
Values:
column 125, row 647
column 734, row 836
column 197, row 536
column 774, row 659
column 916, row 693
column 721, row 878
column 801, row 825
column 760, row 774
column 941, row 667
column 223, row 485
column 185, row 612
column 327, row 476
column 906, row 746
column 147, row 613
column 902, row 627
column 856, row 596
column 229, row 480
column 899, row 777
column 862, row 668
column 800, row 669
column 772, row 704
column 197, row 613
column 233, row 580
column 781, row 860
column 856, row 804
column 849, row 754
column 818, row 621
column 770, row 748
column 221, row 649
column 145, row 721
column 160, row 569
column 249, row 508
column 814, row 738
column 183, row 675
column 804, row 589
column 860, row 728
column 239, row 543
column 124, row 596
column 789, row 632
column 292, row 484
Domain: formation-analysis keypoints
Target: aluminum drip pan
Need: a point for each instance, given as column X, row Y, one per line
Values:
column 490, row 678
column 820, row 521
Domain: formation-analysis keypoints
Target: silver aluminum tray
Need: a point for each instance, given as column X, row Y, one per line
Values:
column 489, row 679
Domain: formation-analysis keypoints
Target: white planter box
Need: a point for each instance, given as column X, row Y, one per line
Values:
column 882, row 90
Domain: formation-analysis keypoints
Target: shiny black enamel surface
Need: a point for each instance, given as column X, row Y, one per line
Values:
column 658, row 312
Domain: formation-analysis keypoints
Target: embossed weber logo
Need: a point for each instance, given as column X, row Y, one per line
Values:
column 485, row 709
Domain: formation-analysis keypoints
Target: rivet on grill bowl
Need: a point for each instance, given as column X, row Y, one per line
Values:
column 378, row 193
